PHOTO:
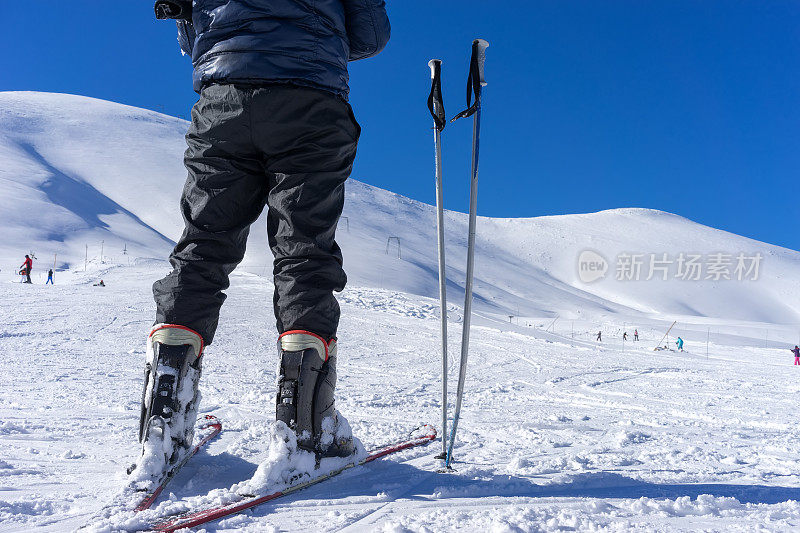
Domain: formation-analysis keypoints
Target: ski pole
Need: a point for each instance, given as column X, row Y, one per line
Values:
column 475, row 81
column 436, row 107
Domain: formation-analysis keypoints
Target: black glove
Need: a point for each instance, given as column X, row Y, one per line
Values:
column 174, row 9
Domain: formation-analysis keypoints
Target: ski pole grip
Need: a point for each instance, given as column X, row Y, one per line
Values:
column 479, row 47
column 436, row 68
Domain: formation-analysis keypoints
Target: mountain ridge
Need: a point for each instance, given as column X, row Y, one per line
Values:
column 80, row 175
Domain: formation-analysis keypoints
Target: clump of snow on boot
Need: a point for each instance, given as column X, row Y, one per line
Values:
column 287, row 464
column 336, row 432
column 155, row 451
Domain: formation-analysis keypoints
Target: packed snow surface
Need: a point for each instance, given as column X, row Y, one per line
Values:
column 558, row 432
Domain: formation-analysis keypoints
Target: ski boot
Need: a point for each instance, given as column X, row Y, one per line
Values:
column 170, row 397
column 305, row 400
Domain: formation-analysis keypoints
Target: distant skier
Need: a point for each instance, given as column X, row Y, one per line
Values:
column 796, row 352
column 679, row 342
column 272, row 128
column 625, row 336
column 636, row 334
column 49, row 277
column 599, row 336
column 101, row 284
column 26, row 267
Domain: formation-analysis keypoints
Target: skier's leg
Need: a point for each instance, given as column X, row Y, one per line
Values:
column 309, row 139
column 225, row 192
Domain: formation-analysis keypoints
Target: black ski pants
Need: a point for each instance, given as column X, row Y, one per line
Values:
column 285, row 147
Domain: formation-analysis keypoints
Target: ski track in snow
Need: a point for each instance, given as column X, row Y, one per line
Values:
column 552, row 437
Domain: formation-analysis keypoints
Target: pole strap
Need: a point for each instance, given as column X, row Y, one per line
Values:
column 476, row 78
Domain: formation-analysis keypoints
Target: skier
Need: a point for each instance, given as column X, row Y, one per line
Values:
column 599, row 336
column 625, row 336
column 679, row 342
column 272, row 127
column 100, row 284
column 49, row 277
column 796, row 352
column 25, row 269
column 636, row 334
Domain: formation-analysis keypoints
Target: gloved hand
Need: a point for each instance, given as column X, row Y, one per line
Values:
column 174, row 9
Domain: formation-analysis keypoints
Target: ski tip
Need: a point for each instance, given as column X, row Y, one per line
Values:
column 211, row 421
column 425, row 431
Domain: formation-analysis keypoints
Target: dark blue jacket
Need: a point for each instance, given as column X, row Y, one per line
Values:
column 301, row 42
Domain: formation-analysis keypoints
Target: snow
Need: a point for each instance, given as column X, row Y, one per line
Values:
column 558, row 432
column 287, row 463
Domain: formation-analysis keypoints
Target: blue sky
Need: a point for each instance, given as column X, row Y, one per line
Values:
column 686, row 106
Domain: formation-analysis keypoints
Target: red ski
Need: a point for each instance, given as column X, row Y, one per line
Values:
column 204, row 516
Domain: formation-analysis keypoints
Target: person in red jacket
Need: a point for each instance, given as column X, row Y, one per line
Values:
column 26, row 266
column 796, row 353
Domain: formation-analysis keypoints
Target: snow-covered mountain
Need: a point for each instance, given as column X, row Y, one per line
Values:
column 78, row 173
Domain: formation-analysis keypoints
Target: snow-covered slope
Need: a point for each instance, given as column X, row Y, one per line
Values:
column 555, row 435
column 529, row 267
column 76, row 172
